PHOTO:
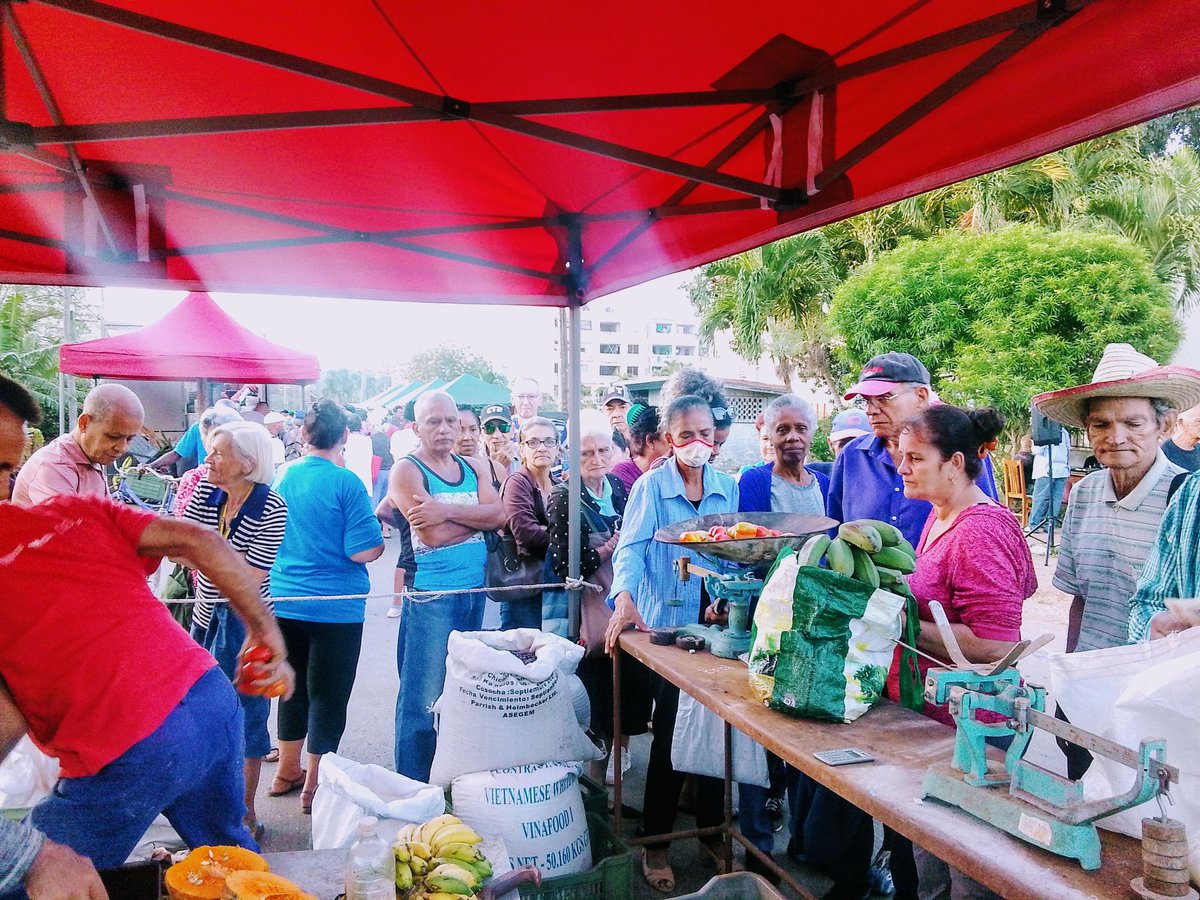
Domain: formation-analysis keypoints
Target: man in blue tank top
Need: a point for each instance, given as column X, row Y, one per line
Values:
column 449, row 501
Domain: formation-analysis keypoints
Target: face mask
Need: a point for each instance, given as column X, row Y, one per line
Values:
column 694, row 453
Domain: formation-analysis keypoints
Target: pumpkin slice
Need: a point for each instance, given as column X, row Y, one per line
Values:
column 201, row 875
column 262, row 886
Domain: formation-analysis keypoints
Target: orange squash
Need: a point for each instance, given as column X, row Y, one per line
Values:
column 262, row 886
column 201, row 875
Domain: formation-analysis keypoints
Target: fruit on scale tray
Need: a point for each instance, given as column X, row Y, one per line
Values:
column 740, row 531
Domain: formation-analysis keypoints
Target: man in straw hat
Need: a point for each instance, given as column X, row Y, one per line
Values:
column 1113, row 515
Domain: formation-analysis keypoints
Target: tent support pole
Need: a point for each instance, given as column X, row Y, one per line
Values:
column 574, row 481
column 576, row 295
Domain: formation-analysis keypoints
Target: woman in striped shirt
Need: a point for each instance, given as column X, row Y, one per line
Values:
column 236, row 499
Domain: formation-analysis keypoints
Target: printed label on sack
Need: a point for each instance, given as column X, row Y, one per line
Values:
column 1035, row 829
column 510, row 695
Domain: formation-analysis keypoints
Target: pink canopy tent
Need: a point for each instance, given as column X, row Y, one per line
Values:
column 197, row 339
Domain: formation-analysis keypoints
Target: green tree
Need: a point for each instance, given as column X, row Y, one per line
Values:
column 779, row 286
column 1000, row 317
column 31, row 331
column 351, row 385
column 1165, row 132
column 448, row 361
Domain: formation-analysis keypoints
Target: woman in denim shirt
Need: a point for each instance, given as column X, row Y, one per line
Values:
column 647, row 593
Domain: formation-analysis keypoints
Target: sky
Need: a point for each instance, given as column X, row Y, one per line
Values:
column 382, row 336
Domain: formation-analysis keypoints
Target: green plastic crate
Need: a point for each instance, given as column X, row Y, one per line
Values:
column 611, row 875
column 595, row 796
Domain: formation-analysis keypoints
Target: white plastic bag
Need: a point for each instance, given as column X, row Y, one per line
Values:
column 537, row 810
column 350, row 790
column 27, row 776
column 1128, row 694
column 698, row 746
column 497, row 711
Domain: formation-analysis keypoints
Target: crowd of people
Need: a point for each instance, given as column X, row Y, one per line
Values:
column 295, row 509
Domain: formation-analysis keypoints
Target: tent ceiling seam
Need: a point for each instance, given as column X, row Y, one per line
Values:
column 43, row 88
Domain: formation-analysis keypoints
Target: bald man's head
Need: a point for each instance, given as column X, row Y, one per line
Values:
column 112, row 417
column 436, row 422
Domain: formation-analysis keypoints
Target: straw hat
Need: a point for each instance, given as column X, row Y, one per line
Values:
column 1123, row 372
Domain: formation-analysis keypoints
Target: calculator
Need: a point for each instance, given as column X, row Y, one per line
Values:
column 848, row 756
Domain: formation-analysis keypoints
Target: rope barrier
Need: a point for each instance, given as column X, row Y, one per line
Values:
column 569, row 584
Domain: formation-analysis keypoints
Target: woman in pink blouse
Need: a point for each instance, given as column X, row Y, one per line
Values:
column 972, row 557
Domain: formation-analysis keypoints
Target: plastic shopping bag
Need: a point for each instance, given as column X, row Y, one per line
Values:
column 351, row 790
column 698, row 746
column 27, row 775
column 1128, row 694
column 822, row 643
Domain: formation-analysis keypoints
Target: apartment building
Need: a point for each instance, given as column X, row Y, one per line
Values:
column 620, row 342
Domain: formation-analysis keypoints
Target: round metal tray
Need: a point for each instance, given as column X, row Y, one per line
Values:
column 747, row 551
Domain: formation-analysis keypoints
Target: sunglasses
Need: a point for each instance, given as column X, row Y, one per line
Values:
column 493, row 427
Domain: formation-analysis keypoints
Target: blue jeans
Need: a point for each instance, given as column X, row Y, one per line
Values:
column 521, row 613
column 189, row 769
column 223, row 639
column 425, row 628
column 381, row 486
column 1047, row 493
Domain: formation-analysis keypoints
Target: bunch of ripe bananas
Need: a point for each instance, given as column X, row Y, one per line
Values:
column 866, row 550
column 439, row 860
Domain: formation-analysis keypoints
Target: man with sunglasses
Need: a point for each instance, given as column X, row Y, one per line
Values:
column 498, row 439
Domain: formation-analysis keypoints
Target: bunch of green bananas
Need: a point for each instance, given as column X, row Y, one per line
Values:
column 439, row 860
column 866, row 550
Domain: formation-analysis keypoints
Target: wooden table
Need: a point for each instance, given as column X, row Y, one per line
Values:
column 904, row 744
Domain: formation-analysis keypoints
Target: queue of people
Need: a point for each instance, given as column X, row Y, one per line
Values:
column 453, row 481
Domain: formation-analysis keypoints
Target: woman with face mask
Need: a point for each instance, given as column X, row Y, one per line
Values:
column 646, row 593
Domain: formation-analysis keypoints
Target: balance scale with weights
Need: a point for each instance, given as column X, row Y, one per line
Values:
column 734, row 587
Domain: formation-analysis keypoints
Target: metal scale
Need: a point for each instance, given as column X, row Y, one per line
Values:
column 1024, row 799
column 740, row 567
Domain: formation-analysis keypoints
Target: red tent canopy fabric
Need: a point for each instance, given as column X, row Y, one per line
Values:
column 196, row 339
column 536, row 154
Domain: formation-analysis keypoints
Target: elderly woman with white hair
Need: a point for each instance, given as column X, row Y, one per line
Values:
column 236, row 499
column 787, row 484
column 209, row 419
column 602, row 506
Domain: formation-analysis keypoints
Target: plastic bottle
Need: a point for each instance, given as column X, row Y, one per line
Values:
column 370, row 865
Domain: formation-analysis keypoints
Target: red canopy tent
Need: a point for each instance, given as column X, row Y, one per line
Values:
column 413, row 151
column 540, row 154
column 195, row 340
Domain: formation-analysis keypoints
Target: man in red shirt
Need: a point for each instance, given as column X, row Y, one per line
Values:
column 140, row 717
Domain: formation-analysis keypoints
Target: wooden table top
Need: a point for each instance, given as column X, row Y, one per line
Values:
column 905, row 744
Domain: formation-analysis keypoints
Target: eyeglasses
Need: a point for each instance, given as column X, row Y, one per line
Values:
column 493, row 427
column 529, row 396
column 883, row 399
column 534, row 443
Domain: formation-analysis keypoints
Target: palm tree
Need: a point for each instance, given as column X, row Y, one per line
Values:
column 1160, row 213
column 25, row 354
column 779, row 286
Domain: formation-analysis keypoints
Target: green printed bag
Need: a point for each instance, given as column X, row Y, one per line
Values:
column 822, row 643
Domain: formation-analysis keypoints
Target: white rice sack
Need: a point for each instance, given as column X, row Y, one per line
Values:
column 537, row 810
column 497, row 711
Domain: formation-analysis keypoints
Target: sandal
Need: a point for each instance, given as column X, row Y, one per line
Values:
column 289, row 786
column 661, row 878
column 306, row 799
column 272, row 757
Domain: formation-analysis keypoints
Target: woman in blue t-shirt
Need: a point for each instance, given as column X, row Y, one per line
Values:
column 332, row 534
